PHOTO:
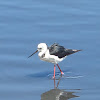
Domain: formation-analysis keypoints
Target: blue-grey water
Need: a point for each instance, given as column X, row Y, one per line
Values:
column 26, row 23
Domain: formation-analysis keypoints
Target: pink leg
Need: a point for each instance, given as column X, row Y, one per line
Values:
column 60, row 69
column 54, row 71
column 54, row 83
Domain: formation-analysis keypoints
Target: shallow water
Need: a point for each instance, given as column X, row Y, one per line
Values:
column 73, row 24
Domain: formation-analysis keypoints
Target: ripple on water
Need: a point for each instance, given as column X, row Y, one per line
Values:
column 47, row 74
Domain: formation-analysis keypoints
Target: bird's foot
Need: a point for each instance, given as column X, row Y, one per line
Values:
column 62, row 73
column 53, row 77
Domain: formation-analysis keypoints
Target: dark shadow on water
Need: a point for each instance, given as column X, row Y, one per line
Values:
column 40, row 74
column 48, row 74
column 68, row 74
column 58, row 94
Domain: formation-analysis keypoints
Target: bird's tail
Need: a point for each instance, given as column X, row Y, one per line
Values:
column 76, row 51
column 71, row 51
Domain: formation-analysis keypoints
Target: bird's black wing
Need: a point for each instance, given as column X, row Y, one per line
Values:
column 60, row 51
column 57, row 50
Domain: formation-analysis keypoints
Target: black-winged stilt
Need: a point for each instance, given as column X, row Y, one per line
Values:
column 54, row 54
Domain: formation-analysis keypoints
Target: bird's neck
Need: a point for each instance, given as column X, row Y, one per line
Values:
column 41, row 53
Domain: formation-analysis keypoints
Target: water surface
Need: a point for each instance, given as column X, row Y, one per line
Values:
column 73, row 24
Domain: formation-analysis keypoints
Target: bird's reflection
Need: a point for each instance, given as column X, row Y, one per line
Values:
column 57, row 94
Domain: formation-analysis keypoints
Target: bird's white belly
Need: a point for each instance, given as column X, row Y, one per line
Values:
column 49, row 58
column 52, row 59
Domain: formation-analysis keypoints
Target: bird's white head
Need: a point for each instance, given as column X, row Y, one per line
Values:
column 42, row 47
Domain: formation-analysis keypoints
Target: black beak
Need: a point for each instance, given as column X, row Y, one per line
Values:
column 33, row 53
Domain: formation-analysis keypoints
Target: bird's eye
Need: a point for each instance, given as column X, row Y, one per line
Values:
column 39, row 48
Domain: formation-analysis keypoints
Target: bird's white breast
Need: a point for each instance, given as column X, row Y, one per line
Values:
column 49, row 58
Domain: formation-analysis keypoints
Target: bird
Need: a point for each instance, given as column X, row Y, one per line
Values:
column 53, row 54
